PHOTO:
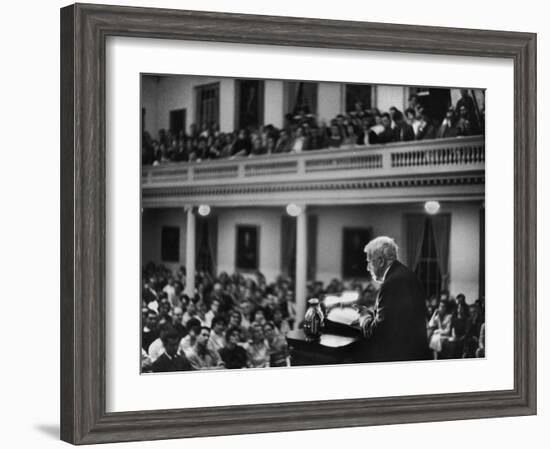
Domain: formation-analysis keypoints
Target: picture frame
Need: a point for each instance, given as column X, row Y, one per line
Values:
column 248, row 252
column 84, row 29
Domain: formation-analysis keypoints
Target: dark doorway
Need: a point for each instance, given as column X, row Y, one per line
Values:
column 358, row 97
column 250, row 103
column 353, row 256
column 247, row 257
column 170, row 244
column 208, row 105
column 434, row 100
column 177, row 121
column 301, row 97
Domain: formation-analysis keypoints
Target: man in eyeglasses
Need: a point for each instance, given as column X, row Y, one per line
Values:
column 396, row 326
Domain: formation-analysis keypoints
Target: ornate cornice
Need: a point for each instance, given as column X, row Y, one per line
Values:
column 300, row 187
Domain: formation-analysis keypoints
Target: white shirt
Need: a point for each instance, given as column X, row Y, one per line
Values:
column 386, row 272
column 170, row 291
column 156, row 349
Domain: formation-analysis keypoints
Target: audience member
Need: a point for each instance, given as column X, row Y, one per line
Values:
column 278, row 349
column 170, row 360
column 257, row 349
column 150, row 330
column 187, row 342
column 201, row 357
column 177, row 322
column 217, row 337
column 233, row 355
column 440, row 328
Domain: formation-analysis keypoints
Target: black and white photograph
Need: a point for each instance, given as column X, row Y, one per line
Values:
column 296, row 222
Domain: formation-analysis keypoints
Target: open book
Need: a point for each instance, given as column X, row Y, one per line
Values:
column 340, row 310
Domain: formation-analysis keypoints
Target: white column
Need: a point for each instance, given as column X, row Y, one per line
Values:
column 388, row 96
column 273, row 103
column 329, row 104
column 190, row 253
column 301, row 264
column 227, row 104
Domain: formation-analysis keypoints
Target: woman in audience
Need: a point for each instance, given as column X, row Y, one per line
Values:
column 235, row 320
column 351, row 135
column 335, row 137
column 257, row 348
column 187, row 342
column 281, row 324
column 299, row 143
column 278, row 349
column 217, row 336
column 283, row 144
column 440, row 329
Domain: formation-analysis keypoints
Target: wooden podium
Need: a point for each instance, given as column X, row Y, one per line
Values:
column 338, row 344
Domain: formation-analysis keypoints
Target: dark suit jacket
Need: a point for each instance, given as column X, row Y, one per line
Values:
column 398, row 330
column 164, row 364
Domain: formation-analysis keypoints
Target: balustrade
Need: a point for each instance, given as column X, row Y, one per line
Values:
column 456, row 154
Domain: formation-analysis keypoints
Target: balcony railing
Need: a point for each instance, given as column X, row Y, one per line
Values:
column 466, row 154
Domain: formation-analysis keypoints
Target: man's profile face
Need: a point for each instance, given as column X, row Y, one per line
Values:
column 202, row 339
column 375, row 266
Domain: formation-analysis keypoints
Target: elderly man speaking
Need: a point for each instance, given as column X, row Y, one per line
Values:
column 396, row 326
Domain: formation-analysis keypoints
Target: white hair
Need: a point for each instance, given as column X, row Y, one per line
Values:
column 384, row 247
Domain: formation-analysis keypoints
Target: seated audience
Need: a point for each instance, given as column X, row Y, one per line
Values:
column 201, row 357
column 439, row 328
column 335, row 138
column 170, row 360
column 214, row 309
column 402, row 131
column 177, row 322
column 426, row 128
column 235, row 320
column 188, row 342
column 471, row 339
column 257, row 349
column 263, row 312
column 281, row 324
column 465, row 125
column 299, row 143
column 233, row 355
column 459, row 328
column 278, row 349
column 217, row 335
column 447, row 127
column 302, row 132
column 150, row 330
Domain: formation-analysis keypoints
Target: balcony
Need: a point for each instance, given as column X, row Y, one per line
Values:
column 443, row 169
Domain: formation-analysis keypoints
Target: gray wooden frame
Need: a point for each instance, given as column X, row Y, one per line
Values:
column 84, row 29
